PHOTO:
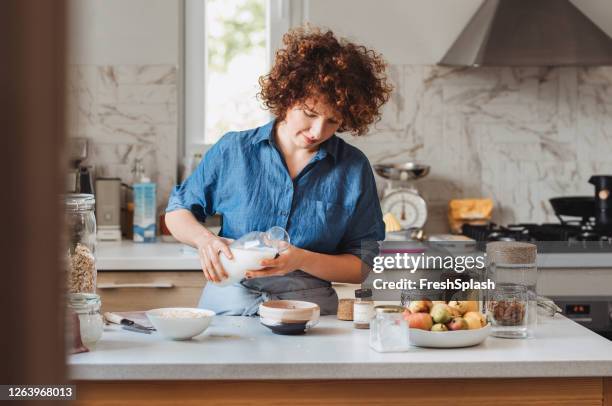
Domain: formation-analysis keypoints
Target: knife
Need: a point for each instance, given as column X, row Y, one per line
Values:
column 137, row 329
column 115, row 318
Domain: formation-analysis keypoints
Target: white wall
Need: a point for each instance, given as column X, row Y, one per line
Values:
column 124, row 32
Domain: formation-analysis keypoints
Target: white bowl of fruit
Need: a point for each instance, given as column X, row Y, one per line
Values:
column 439, row 324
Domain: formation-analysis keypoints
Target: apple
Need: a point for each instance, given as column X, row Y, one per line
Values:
column 420, row 306
column 421, row 321
column 457, row 323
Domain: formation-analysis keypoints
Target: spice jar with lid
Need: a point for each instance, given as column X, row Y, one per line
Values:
column 81, row 232
column 512, row 266
column 389, row 331
column 87, row 307
column 363, row 308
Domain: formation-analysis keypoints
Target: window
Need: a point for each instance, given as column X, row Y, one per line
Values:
column 228, row 45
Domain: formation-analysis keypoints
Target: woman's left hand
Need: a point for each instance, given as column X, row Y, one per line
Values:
column 288, row 261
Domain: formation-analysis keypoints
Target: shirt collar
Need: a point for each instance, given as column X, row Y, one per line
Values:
column 329, row 147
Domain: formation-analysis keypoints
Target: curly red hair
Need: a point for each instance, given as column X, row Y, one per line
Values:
column 350, row 78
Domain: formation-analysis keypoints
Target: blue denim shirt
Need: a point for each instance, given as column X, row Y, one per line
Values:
column 330, row 207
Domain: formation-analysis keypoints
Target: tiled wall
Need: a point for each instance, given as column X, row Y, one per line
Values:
column 517, row 135
column 127, row 112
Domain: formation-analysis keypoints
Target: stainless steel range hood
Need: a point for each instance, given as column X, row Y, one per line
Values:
column 530, row 33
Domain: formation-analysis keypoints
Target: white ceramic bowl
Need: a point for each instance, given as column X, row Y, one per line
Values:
column 180, row 323
column 244, row 260
column 289, row 317
column 449, row 339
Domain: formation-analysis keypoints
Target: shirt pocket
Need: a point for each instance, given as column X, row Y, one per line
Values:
column 328, row 222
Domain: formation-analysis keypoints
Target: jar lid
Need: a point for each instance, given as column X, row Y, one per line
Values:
column 79, row 201
column 511, row 252
column 363, row 293
column 389, row 309
column 83, row 300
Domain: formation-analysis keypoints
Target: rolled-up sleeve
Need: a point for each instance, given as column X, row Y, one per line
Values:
column 366, row 226
column 197, row 192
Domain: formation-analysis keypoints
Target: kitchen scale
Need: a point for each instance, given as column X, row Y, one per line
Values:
column 401, row 198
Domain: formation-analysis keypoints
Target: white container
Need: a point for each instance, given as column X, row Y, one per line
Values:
column 249, row 250
column 244, row 260
column 145, row 218
column 180, row 323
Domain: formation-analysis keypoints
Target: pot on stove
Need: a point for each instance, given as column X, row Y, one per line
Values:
column 603, row 201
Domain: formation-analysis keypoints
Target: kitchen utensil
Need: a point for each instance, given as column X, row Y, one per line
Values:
column 180, row 323
column 448, row 339
column 404, row 201
column 603, row 201
column 84, row 180
column 108, row 208
column 117, row 319
column 289, row 317
column 249, row 250
column 136, row 329
column 573, row 206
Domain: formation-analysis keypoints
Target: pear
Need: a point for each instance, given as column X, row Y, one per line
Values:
column 441, row 313
column 475, row 320
column 439, row 327
column 460, row 305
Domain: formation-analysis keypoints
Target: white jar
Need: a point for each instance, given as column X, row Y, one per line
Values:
column 87, row 307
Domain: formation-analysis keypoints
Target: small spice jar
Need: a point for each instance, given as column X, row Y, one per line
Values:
column 363, row 308
column 389, row 331
column 87, row 307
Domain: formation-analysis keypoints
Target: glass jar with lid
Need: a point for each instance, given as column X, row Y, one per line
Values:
column 87, row 308
column 388, row 329
column 81, row 232
column 512, row 266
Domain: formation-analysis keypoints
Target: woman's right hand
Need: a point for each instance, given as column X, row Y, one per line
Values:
column 209, row 248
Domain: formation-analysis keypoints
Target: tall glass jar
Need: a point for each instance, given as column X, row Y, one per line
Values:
column 81, row 232
column 512, row 266
column 87, row 307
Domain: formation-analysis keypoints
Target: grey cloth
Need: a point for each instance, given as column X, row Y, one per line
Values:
column 243, row 299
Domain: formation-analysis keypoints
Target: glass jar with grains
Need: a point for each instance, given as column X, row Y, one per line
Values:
column 81, row 232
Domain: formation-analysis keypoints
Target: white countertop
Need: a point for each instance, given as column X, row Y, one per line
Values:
column 241, row 348
column 167, row 256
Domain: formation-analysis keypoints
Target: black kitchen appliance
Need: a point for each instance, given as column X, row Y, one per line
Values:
column 603, row 202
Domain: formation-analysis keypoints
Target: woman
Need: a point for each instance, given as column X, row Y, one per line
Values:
column 295, row 173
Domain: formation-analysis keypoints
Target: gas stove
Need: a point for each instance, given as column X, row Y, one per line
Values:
column 550, row 237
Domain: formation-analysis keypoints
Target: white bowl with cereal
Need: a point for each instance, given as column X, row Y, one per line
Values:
column 180, row 323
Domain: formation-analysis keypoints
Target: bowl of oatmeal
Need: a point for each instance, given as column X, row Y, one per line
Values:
column 180, row 323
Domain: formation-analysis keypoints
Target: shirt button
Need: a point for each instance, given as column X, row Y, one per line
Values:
column 284, row 213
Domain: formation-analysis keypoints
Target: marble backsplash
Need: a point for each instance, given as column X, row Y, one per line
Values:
column 127, row 112
column 517, row 135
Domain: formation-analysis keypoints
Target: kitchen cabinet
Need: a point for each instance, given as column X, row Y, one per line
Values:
column 144, row 290
column 237, row 361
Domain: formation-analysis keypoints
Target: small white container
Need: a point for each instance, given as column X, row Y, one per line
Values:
column 388, row 330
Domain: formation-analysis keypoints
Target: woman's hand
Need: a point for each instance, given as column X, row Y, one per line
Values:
column 209, row 248
column 289, row 260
